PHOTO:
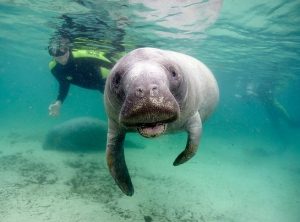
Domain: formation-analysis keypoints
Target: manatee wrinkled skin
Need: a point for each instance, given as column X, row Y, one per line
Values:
column 152, row 92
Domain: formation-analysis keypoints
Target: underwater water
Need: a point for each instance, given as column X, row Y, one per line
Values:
column 248, row 165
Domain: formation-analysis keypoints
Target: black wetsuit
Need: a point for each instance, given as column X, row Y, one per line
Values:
column 84, row 72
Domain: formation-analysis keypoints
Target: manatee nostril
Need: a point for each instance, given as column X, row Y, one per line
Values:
column 139, row 92
column 153, row 90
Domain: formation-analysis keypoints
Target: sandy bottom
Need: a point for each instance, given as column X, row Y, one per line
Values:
column 228, row 180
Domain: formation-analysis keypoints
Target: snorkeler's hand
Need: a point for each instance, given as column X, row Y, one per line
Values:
column 54, row 108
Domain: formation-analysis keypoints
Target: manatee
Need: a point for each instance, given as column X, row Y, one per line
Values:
column 79, row 134
column 153, row 92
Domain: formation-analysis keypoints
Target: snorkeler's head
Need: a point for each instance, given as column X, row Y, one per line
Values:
column 58, row 46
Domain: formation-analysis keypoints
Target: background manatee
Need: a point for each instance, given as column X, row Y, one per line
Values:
column 79, row 134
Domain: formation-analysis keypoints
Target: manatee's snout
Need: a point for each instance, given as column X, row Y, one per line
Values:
column 149, row 107
column 142, row 91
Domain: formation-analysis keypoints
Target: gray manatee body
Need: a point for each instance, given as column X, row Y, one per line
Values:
column 152, row 92
column 79, row 134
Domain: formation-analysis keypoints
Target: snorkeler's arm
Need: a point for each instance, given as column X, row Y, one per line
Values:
column 281, row 110
column 63, row 90
column 54, row 108
column 283, row 114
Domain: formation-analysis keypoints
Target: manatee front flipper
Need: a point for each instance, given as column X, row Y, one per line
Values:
column 194, row 129
column 116, row 160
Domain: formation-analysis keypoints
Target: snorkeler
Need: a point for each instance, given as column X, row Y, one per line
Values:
column 84, row 68
column 265, row 92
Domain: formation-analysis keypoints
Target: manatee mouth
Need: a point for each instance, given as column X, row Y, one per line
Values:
column 149, row 115
column 151, row 130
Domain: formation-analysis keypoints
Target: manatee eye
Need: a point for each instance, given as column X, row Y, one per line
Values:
column 116, row 84
column 116, row 79
column 173, row 73
column 175, row 77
